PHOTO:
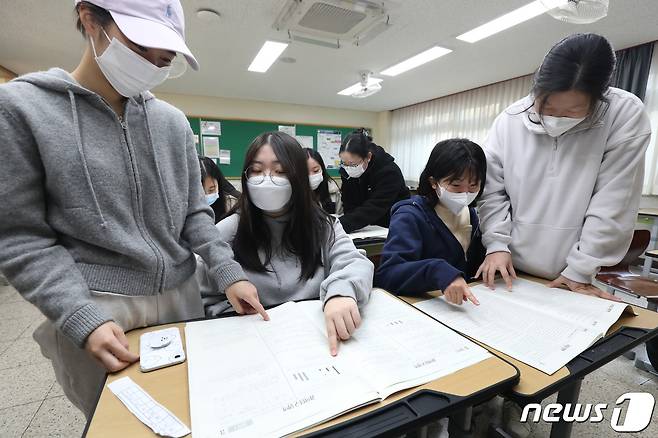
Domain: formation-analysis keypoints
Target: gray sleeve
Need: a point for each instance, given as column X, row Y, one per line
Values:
column 494, row 208
column 31, row 258
column 350, row 272
column 200, row 232
column 612, row 212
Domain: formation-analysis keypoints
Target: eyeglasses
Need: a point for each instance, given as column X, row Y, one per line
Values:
column 344, row 164
column 257, row 176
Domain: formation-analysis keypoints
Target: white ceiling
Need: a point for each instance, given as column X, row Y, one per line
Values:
column 37, row 34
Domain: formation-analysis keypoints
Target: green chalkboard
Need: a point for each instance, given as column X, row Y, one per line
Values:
column 236, row 135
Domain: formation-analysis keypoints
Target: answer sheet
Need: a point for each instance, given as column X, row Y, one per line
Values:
column 369, row 232
column 542, row 327
column 250, row 377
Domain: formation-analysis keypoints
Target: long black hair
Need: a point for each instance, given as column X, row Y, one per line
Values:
column 210, row 169
column 451, row 159
column 359, row 143
column 584, row 62
column 309, row 226
column 322, row 192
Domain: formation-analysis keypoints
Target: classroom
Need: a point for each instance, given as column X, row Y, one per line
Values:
column 328, row 218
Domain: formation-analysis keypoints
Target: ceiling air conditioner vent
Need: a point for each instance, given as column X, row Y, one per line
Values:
column 331, row 23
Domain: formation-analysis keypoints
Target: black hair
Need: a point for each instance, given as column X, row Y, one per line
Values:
column 309, row 226
column 101, row 16
column 210, row 169
column 322, row 192
column 584, row 62
column 451, row 159
column 359, row 143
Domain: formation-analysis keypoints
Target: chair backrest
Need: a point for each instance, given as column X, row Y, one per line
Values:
column 639, row 244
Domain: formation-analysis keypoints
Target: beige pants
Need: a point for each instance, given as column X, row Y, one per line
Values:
column 79, row 374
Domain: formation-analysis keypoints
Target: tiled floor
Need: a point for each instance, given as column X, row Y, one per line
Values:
column 33, row 405
column 31, row 402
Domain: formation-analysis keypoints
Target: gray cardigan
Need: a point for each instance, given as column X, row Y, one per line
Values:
column 91, row 202
column 347, row 272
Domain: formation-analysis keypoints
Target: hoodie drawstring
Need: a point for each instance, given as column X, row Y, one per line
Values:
column 78, row 138
column 172, row 227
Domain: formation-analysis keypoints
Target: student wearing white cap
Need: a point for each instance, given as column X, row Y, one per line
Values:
column 89, row 160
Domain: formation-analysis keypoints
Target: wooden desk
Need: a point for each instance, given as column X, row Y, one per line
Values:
column 400, row 412
column 534, row 385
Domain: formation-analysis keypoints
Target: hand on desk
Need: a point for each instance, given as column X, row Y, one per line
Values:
column 563, row 282
column 500, row 261
column 341, row 314
column 458, row 291
column 243, row 296
column 109, row 345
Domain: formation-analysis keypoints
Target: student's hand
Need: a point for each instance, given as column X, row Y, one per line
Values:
column 458, row 291
column 342, row 317
column 109, row 345
column 243, row 296
column 497, row 261
column 563, row 282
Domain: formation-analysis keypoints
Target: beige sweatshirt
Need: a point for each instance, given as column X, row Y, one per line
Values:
column 565, row 205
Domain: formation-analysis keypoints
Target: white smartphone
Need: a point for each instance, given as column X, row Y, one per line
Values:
column 160, row 349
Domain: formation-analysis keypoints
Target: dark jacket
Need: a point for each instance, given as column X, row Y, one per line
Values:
column 368, row 200
column 421, row 254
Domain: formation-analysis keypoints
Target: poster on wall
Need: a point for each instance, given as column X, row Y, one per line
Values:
column 328, row 147
column 306, row 141
column 211, row 128
column 290, row 130
column 224, row 156
column 211, row 147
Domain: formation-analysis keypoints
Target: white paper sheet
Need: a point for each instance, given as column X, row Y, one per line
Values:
column 329, row 146
column 291, row 130
column 250, row 377
column 224, row 156
column 398, row 347
column 371, row 231
column 211, row 128
column 542, row 327
column 147, row 410
column 306, row 141
column 211, row 147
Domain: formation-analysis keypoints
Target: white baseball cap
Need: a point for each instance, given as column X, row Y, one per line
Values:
column 158, row 24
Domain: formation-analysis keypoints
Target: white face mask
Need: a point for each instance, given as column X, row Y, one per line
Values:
column 355, row 171
column 556, row 126
column 315, row 180
column 268, row 196
column 455, row 202
column 212, row 198
column 127, row 72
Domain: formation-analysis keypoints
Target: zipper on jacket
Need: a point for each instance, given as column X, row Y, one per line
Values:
column 551, row 169
column 140, row 219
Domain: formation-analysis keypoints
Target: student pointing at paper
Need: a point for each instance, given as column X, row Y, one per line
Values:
column 434, row 240
column 90, row 160
column 288, row 246
column 565, row 171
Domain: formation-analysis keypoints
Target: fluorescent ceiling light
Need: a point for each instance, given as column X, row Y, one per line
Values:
column 415, row 61
column 356, row 87
column 517, row 16
column 266, row 56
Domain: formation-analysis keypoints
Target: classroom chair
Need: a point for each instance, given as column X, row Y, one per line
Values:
column 619, row 278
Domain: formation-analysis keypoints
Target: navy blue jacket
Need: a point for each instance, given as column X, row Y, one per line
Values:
column 421, row 254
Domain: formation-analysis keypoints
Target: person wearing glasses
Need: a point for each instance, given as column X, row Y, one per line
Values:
column 288, row 246
column 371, row 182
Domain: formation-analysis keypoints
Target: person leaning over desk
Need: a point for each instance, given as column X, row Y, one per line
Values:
column 90, row 160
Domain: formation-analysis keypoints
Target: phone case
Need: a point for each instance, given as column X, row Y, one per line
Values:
column 160, row 349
